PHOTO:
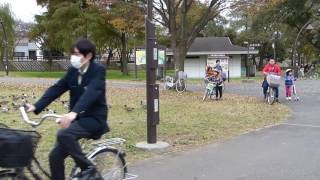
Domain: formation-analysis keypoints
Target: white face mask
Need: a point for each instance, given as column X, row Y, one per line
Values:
column 75, row 61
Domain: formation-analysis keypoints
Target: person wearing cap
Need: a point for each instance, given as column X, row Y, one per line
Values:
column 217, row 79
column 271, row 68
column 289, row 78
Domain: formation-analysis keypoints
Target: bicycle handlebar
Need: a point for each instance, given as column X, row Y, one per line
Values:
column 26, row 118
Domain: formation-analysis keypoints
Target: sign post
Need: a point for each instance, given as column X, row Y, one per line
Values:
column 152, row 88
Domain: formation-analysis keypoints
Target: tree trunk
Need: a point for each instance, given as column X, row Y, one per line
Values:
column 50, row 60
column 260, row 66
column 179, row 58
column 110, row 55
column 124, row 58
column 262, row 53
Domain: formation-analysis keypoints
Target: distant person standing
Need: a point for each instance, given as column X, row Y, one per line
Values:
column 218, row 66
column 220, row 69
column 306, row 68
column 301, row 69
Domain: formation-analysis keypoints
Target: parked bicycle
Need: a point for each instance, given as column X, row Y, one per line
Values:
column 18, row 157
column 179, row 84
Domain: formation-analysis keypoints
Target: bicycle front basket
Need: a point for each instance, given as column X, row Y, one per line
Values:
column 17, row 147
column 274, row 80
column 210, row 86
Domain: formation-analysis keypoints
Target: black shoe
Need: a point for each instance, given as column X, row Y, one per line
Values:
column 89, row 174
column 277, row 100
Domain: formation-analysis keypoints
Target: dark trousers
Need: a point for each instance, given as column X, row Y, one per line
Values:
column 265, row 87
column 67, row 144
column 219, row 91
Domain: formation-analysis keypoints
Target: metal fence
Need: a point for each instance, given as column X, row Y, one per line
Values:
column 61, row 63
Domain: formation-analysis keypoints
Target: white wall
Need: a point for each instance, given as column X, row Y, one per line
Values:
column 24, row 49
column 235, row 66
column 195, row 68
column 31, row 47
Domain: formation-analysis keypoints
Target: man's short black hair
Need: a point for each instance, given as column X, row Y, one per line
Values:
column 85, row 47
column 217, row 61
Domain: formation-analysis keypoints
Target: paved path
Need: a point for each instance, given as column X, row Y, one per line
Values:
column 290, row 151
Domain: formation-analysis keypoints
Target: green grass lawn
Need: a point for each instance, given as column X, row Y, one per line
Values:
column 111, row 75
column 185, row 121
column 117, row 75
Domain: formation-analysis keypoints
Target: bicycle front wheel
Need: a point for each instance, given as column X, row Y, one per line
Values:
column 271, row 96
column 110, row 163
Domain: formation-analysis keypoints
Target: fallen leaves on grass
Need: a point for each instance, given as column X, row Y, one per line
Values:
column 185, row 120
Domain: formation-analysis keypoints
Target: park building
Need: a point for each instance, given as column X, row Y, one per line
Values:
column 206, row 50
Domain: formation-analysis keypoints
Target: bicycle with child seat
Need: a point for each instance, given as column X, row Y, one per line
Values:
column 108, row 160
column 210, row 89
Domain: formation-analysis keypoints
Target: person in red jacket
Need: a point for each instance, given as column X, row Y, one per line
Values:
column 274, row 68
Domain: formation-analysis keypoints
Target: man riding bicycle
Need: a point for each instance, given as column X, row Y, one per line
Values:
column 87, row 117
column 271, row 68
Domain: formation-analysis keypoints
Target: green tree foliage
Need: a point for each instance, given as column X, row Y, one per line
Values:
column 110, row 26
column 215, row 27
column 294, row 15
column 7, row 19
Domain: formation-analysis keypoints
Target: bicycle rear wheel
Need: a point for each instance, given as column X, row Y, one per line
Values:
column 110, row 163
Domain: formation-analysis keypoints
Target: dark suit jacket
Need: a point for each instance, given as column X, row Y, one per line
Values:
column 87, row 99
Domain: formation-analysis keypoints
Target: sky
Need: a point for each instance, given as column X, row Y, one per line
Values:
column 24, row 9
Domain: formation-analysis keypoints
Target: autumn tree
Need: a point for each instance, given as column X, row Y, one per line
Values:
column 66, row 21
column 127, row 19
column 185, row 19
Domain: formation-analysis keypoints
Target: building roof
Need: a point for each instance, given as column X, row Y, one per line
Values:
column 215, row 45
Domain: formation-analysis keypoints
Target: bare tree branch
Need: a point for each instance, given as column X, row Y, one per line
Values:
column 163, row 15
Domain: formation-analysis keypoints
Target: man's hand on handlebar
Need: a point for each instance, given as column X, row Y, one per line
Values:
column 64, row 121
column 30, row 108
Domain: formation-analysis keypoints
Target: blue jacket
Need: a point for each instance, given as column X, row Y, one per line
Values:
column 88, row 99
column 289, row 80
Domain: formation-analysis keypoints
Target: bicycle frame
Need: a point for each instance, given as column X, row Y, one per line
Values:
column 211, row 88
column 96, row 146
column 171, row 83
